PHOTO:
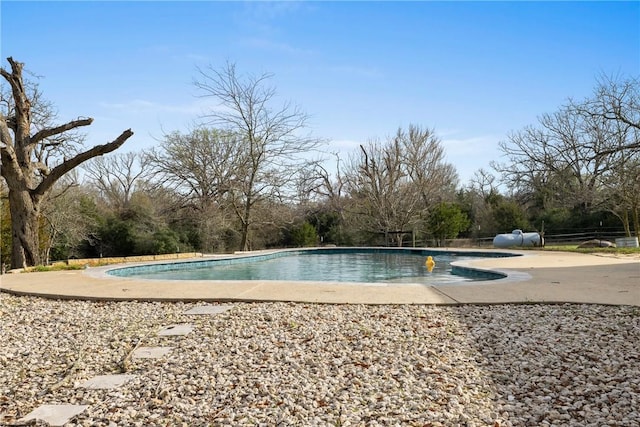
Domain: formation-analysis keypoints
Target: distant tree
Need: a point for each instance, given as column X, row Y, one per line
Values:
column 482, row 193
column 5, row 227
column 272, row 146
column 304, row 234
column 509, row 215
column 28, row 144
column 138, row 230
column 446, row 221
column 201, row 167
column 560, row 151
column 622, row 191
column 65, row 221
column 580, row 157
column 162, row 241
column 384, row 199
column 484, row 183
column 116, row 237
column 329, row 192
column 330, row 225
column 615, row 99
column 423, row 157
column 115, row 176
column 392, row 185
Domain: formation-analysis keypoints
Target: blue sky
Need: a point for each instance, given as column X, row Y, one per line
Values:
column 473, row 71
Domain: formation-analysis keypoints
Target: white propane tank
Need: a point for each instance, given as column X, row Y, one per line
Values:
column 517, row 238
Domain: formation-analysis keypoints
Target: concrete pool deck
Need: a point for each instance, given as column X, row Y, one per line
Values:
column 536, row 276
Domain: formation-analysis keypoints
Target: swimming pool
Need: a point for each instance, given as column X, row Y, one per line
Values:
column 367, row 265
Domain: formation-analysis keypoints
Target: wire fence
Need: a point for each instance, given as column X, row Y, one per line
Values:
column 553, row 239
column 578, row 238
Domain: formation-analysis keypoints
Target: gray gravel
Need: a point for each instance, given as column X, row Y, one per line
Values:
column 340, row 365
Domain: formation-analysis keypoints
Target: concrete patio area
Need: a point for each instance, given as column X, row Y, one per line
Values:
column 535, row 276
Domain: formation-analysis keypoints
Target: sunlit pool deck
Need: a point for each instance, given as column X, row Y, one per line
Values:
column 535, row 276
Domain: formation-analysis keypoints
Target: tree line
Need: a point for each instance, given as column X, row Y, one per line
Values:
column 250, row 175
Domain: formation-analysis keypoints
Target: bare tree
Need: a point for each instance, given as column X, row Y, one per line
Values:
column 616, row 100
column 484, row 183
column 65, row 221
column 5, row 228
column 424, row 160
column 27, row 171
column 323, row 198
column 396, row 184
column 319, row 184
column 201, row 166
column 386, row 201
column 273, row 148
column 584, row 155
column 621, row 184
column 558, row 157
column 116, row 176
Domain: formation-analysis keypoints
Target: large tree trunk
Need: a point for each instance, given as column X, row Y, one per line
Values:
column 625, row 222
column 25, row 240
column 24, row 202
column 27, row 175
column 244, row 241
column 245, row 219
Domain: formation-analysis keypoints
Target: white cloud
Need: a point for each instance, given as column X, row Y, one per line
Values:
column 471, row 153
column 468, row 146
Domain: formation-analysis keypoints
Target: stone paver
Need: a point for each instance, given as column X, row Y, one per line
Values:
column 178, row 329
column 54, row 415
column 151, row 352
column 106, row 381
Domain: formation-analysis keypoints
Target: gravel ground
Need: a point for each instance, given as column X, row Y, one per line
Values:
column 339, row 365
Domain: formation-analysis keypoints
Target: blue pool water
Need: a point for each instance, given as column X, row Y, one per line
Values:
column 326, row 265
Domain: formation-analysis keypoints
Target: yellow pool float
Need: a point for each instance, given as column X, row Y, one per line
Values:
column 430, row 263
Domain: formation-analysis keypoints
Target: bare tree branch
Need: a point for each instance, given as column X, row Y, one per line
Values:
column 273, row 149
column 46, row 133
column 57, row 172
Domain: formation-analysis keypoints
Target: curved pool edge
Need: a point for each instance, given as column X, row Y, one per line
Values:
column 493, row 275
column 137, row 270
column 535, row 277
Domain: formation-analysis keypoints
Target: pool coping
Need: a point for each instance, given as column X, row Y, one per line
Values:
column 533, row 276
column 458, row 268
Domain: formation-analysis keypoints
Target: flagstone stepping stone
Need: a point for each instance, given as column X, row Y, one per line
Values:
column 106, row 381
column 150, row 352
column 208, row 309
column 179, row 329
column 54, row 415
